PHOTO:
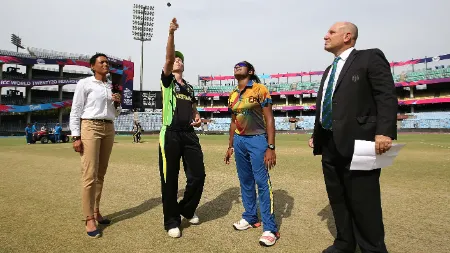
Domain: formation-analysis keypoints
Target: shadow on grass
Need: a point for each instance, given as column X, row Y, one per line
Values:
column 327, row 214
column 283, row 205
column 220, row 206
column 132, row 212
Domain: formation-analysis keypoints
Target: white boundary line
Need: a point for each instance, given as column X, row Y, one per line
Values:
column 436, row 145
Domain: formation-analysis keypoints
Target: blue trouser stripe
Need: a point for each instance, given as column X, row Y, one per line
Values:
column 249, row 155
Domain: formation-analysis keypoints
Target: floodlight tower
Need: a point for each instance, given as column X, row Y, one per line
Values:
column 143, row 17
column 16, row 41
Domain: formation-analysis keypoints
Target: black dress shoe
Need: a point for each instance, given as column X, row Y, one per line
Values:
column 332, row 249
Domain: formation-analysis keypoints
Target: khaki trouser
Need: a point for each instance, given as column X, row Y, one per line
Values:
column 98, row 139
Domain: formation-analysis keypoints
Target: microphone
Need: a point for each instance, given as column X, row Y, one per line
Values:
column 114, row 89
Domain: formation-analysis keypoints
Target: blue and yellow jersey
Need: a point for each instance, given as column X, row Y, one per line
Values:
column 247, row 105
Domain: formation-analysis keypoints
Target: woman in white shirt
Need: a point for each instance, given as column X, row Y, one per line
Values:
column 92, row 126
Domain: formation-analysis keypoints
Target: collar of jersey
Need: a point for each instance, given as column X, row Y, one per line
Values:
column 175, row 81
column 249, row 85
column 95, row 80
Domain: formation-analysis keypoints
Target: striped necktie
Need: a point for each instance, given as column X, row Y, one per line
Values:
column 326, row 107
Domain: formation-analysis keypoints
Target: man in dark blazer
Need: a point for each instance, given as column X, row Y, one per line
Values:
column 356, row 101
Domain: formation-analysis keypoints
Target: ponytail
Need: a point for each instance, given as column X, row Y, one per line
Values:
column 255, row 78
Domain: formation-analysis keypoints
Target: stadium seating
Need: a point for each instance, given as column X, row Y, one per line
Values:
column 51, row 54
column 52, row 73
column 415, row 76
column 13, row 75
column 44, row 53
column 198, row 89
column 423, row 74
column 16, row 54
column 13, row 100
column 219, row 124
column 220, row 89
column 272, row 87
column 152, row 122
column 427, row 120
column 125, row 122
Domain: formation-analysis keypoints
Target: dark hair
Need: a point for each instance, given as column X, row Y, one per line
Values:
column 253, row 77
column 94, row 58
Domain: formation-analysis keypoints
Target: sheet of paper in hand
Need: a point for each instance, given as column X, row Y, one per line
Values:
column 365, row 157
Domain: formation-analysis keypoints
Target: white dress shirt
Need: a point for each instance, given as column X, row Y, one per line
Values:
column 344, row 55
column 92, row 100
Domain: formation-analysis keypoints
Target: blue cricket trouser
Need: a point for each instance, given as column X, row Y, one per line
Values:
column 249, row 154
column 29, row 137
column 57, row 137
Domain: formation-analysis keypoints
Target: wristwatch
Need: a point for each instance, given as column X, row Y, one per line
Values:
column 271, row 146
column 76, row 138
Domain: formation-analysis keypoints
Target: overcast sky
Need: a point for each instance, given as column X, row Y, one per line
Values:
column 275, row 36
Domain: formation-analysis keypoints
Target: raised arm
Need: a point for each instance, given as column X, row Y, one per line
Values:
column 170, row 48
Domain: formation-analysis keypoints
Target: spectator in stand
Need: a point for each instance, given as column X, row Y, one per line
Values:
column 58, row 130
column 29, row 133
column 252, row 136
column 92, row 126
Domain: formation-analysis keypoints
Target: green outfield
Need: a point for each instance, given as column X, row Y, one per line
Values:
column 40, row 201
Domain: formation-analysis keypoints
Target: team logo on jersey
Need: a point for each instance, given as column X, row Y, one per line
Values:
column 251, row 99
